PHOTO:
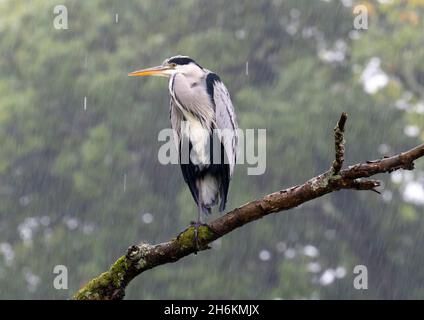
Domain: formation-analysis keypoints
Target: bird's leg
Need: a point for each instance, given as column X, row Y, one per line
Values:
column 196, row 225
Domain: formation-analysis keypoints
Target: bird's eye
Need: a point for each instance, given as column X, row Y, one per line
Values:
column 172, row 64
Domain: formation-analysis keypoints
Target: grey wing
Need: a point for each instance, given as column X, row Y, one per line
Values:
column 187, row 169
column 176, row 118
column 226, row 121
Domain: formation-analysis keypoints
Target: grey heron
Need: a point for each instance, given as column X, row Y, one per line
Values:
column 200, row 99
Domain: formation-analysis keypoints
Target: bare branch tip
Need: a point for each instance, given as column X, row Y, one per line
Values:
column 339, row 143
column 342, row 121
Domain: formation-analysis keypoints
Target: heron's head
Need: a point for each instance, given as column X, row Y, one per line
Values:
column 177, row 64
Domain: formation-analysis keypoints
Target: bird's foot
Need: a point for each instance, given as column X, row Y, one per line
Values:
column 197, row 225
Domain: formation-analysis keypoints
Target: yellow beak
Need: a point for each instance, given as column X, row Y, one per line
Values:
column 155, row 71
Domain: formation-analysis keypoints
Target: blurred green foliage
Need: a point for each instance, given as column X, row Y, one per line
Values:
column 63, row 168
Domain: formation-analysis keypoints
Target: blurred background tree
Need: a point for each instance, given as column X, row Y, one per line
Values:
column 79, row 185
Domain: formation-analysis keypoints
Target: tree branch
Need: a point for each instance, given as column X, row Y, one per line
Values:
column 139, row 258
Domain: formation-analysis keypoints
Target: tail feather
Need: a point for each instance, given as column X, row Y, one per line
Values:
column 208, row 188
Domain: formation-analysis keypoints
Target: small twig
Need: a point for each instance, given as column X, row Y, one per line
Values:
column 361, row 184
column 339, row 144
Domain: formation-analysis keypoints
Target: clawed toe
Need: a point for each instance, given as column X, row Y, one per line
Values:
column 196, row 225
